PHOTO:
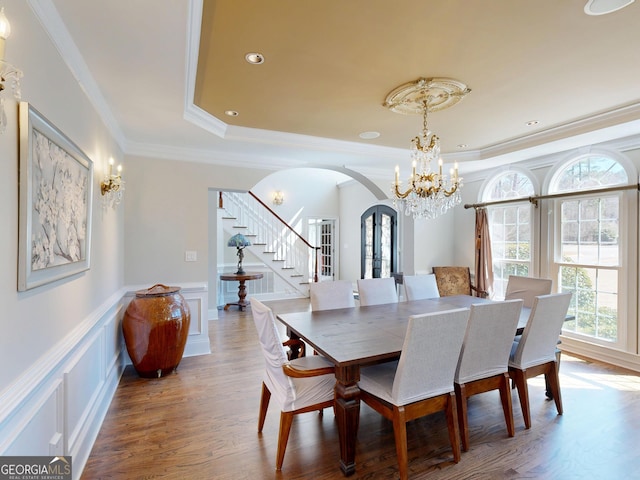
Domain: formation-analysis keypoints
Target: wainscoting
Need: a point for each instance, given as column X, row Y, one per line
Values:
column 58, row 406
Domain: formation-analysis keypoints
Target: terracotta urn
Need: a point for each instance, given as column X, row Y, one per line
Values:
column 155, row 329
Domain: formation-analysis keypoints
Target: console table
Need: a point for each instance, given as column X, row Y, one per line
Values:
column 242, row 289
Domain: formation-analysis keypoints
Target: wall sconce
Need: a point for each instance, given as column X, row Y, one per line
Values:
column 8, row 73
column 278, row 198
column 112, row 187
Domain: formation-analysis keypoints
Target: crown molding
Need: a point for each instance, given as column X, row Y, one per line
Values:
column 618, row 123
column 50, row 19
column 209, row 156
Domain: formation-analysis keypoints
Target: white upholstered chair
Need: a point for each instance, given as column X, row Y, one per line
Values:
column 418, row 287
column 376, row 291
column 527, row 288
column 484, row 359
column 298, row 386
column 534, row 352
column 421, row 381
column 331, row 295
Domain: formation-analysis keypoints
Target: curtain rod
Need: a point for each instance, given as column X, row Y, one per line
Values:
column 534, row 199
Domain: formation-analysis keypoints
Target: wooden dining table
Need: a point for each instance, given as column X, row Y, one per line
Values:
column 360, row 336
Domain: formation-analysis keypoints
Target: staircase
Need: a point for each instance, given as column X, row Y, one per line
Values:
column 273, row 241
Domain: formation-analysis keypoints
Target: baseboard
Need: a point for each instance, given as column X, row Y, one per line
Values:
column 57, row 406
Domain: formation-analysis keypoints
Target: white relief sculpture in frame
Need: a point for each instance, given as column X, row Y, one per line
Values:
column 56, row 191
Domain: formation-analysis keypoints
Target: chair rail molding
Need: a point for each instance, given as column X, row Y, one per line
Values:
column 58, row 405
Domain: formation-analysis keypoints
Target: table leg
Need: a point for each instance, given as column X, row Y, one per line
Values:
column 242, row 294
column 347, row 405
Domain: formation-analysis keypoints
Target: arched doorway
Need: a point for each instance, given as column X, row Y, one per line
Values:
column 378, row 249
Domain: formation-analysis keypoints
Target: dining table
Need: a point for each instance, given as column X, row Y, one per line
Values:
column 359, row 336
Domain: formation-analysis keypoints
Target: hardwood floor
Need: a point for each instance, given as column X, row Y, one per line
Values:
column 201, row 423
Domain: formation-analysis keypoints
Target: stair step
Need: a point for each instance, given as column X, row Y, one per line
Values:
column 278, row 260
column 287, row 268
column 269, row 252
column 297, row 275
column 240, row 226
column 229, row 218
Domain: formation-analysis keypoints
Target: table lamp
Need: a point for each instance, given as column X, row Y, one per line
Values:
column 239, row 241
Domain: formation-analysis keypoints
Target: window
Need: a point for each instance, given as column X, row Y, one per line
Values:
column 510, row 227
column 588, row 247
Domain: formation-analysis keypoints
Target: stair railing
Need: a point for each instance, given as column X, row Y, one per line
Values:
column 273, row 232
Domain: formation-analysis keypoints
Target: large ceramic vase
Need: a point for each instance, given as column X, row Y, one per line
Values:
column 155, row 328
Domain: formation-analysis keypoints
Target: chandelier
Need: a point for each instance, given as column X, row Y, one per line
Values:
column 430, row 193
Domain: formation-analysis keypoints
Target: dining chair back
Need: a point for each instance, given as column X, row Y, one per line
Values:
column 331, row 295
column 527, row 288
column 376, row 291
column 484, row 359
column 534, row 353
column 418, row 287
column 301, row 385
column 456, row 281
column 421, row 381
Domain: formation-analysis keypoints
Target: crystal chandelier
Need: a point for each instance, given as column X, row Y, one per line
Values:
column 430, row 193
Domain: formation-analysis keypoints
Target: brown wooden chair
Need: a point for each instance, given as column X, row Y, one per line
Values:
column 298, row 386
column 484, row 360
column 456, row 281
column 534, row 353
column 421, row 381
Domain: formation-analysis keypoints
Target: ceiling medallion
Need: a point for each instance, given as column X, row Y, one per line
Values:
column 430, row 193
column 440, row 93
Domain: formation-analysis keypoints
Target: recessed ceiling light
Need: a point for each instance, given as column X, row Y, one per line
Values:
column 602, row 7
column 531, row 123
column 254, row 58
column 462, row 145
column 369, row 135
column 231, row 113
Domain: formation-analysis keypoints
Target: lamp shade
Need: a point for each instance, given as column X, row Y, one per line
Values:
column 238, row 240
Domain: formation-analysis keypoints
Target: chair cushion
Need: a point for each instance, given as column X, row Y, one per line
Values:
column 309, row 391
column 378, row 380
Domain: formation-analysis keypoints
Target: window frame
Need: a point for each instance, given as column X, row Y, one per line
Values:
column 627, row 339
column 484, row 197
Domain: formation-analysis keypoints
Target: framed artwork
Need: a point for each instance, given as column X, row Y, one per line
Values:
column 56, row 191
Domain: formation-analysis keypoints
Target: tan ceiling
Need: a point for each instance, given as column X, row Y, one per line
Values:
column 330, row 64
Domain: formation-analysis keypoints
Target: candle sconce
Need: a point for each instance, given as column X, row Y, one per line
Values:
column 112, row 187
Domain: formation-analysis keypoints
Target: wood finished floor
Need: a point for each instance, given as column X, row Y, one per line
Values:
column 201, row 423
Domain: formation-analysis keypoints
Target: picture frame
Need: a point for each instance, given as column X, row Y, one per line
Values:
column 55, row 204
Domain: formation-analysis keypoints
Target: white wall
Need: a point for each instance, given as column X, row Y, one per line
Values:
column 354, row 200
column 59, row 344
column 308, row 193
column 168, row 212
